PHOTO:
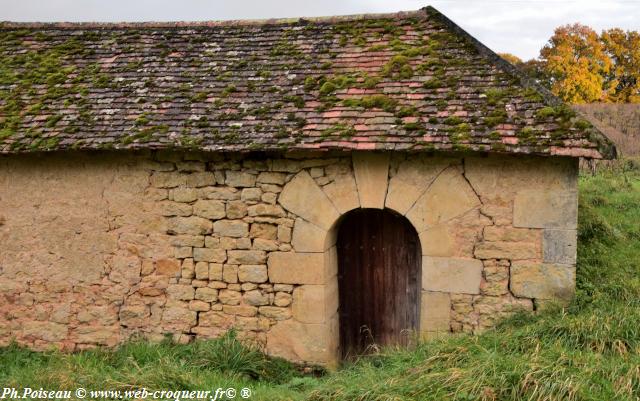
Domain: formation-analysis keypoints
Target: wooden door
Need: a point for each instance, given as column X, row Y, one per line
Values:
column 379, row 264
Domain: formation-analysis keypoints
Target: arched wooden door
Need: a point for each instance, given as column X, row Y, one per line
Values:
column 379, row 265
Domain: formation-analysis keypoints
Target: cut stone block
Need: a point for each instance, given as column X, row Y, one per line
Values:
column 448, row 197
column 296, row 268
column 296, row 341
column 455, row 275
column 559, row 246
column 544, row 281
column 437, row 241
column 303, row 197
column 315, row 303
column 371, row 171
column 546, row 209
column 435, row 312
column 412, row 180
column 308, row 237
column 343, row 193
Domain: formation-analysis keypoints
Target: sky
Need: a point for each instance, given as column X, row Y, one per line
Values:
column 515, row 26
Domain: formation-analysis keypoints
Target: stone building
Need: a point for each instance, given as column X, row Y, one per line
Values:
column 294, row 180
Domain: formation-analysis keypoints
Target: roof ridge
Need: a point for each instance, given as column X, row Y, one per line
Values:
column 4, row 25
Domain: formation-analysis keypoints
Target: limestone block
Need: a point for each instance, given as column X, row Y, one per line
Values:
column 315, row 303
column 231, row 228
column 284, row 233
column 169, row 208
column 181, row 292
column 343, row 193
column 437, row 241
column 133, row 315
column 455, row 275
column 209, row 255
column 184, row 194
column 187, row 240
column 251, row 194
column 206, row 294
column 215, row 271
column 559, row 246
column 266, row 210
column 296, row 341
column 507, row 250
column 296, row 268
column 230, row 297
column 240, row 310
column 199, row 306
column 230, row 274
column 435, row 312
column 167, row 267
column 371, row 171
column 47, row 331
column 275, row 312
column 412, row 179
column 304, row 198
column 308, row 237
column 190, row 225
column 236, row 209
column 264, row 231
column 216, row 319
column 265, row 244
column 240, row 179
column 201, row 179
column 546, row 209
column 210, row 209
column 282, row 299
column 247, row 257
column 502, row 233
column 269, row 177
column 544, row 281
column 178, row 318
column 255, row 298
column 202, row 271
column 252, row 273
column 449, row 196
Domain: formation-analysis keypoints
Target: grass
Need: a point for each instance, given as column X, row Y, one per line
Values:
column 589, row 350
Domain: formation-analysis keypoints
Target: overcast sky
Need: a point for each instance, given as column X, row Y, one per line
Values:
column 515, row 26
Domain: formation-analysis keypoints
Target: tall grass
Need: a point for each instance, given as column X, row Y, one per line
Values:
column 588, row 351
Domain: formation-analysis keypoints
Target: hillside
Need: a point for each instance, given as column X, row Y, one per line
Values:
column 620, row 122
column 588, row 351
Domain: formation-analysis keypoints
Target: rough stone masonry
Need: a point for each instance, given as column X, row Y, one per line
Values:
column 97, row 248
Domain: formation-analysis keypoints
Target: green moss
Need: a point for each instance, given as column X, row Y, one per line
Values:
column 582, row 124
column 433, row 83
column 143, row 119
column 383, row 102
column 397, row 67
column 199, row 97
column 310, row 83
column 229, row 89
column 495, row 117
column 297, row 101
column 377, row 48
column 495, row 135
column 546, row 112
column 406, row 111
column 412, row 126
column 53, row 120
column 532, row 95
column 433, row 120
column 453, row 120
column 327, row 88
column 342, row 130
column 495, row 95
column 326, row 65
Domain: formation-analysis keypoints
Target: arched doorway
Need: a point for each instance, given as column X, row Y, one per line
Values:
column 379, row 280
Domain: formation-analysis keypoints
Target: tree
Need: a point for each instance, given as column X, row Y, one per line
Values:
column 576, row 64
column 624, row 77
column 513, row 59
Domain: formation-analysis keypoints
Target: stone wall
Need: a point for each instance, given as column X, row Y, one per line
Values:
column 99, row 247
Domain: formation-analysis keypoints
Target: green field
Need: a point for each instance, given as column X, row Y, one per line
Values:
column 588, row 351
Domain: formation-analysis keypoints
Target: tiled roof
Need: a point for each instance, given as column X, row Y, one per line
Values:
column 405, row 81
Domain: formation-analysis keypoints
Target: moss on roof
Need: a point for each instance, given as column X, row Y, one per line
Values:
column 395, row 81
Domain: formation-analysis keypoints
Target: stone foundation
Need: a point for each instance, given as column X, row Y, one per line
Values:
column 97, row 248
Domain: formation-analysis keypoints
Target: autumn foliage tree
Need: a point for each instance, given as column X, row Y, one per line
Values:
column 576, row 63
column 580, row 66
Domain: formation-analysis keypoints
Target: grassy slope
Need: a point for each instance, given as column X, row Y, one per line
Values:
column 588, row 351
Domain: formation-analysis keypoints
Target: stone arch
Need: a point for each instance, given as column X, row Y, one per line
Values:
column 428, row 191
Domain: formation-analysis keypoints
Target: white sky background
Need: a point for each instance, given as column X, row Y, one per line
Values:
column 515, row 26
